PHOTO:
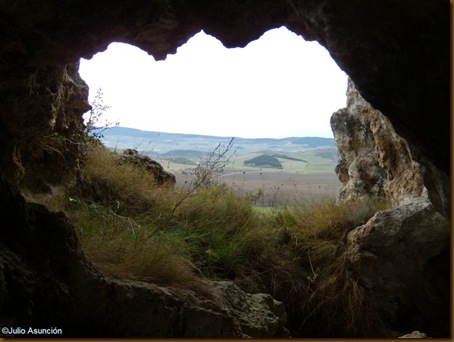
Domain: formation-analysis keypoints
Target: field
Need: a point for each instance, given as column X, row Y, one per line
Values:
column 273, row 189
column 306, row 165
column 297, row 180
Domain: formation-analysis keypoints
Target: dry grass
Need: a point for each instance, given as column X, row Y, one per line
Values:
column 131, row 228
column 125, row 187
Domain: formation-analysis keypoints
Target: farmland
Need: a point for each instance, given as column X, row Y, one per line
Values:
column 306, row 172
column 275, row 188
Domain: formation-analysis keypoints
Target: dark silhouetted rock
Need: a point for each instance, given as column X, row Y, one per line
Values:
column 161, row 176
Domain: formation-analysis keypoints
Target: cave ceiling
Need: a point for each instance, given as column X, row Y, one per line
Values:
column 397, row 52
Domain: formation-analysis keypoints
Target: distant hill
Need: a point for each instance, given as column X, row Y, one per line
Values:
column 133, row 132
column 184, row 153
column 264, row 161
column 182, row 160
column 312, row 141
column 138, row 133
column 184, row 145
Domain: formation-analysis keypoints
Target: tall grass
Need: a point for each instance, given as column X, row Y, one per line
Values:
column 131, row 228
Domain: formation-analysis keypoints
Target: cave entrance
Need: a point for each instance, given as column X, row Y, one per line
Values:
column 279, row 86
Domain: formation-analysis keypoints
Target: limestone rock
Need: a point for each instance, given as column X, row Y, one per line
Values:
column 358, row 167
column 146, row 163
column 401, row 257
column 400, row 254
column 414, row 334
column 375, row 161
column 140, row 310
column 259, row 314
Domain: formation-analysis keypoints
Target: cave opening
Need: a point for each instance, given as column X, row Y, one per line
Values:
column 278, row 86
column 406, row 247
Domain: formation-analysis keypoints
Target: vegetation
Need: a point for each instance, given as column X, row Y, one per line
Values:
column 122, row 137
column 131, row 228
column 264, row 161
column 297, row 155
column 95, row 124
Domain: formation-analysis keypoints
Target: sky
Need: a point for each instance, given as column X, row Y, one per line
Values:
column 277, row 86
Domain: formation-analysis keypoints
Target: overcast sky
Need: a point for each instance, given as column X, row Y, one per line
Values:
column 277, row 86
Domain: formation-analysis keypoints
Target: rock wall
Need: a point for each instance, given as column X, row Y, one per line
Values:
column 401, row 254
column 41, row 123
column 374, row 161
column 358, row 166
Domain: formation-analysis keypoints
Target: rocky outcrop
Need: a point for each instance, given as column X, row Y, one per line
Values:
column 45, row 282
column 358, row 167
column 161, row 176
column 401, row 254
column 374, row 161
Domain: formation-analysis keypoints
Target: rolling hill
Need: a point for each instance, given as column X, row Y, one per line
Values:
column 183, row 145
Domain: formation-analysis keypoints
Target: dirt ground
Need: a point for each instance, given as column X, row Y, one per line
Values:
column 274, row 188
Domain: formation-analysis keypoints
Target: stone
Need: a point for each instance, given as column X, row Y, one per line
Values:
column 400, row 258
column 414, row 334
column 161, row 176
column 374, row 161
column 398, row 254
column 358, row 167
